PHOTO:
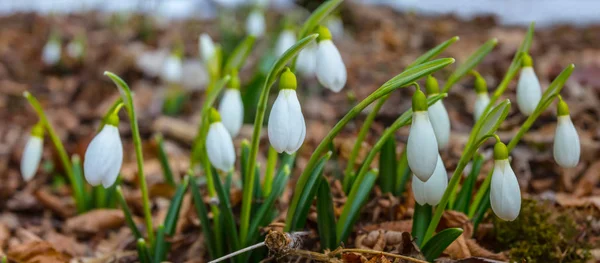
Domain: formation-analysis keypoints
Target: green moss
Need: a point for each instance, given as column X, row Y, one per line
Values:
column 542, row 234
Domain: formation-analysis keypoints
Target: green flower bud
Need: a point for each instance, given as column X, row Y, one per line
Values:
column 213, row 116
column 431, row 86
column 562, row 108
column 527, row 61
column 480, row 84
column 113, row 119
column 324, row 33
column 419, row 101
column 500, row 151
column 287, row 80
column 235, row 80
column 38, row 130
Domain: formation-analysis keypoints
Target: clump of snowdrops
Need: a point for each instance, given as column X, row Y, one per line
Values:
column 214, row 158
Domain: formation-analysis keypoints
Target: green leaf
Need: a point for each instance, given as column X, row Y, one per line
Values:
column 387, row 165
column 318, row 16
column 240, row 54
column 483, row 207
column 436, row 245
column 325, row 216
column 127, row 213
column 173, row 213
column 421, row 219
column 307, row 194
column 270, row 171
column 470, row 63
column 164, row 160
column 492, row 120
column 351, row 210
column 143, row 253
column 78, row 185
column 466, row 191
column 161, row 246
column 433, row 52
column 202, row 212
column 245, row 154
column 227, row 213
column 402, row 174
column 555, row 88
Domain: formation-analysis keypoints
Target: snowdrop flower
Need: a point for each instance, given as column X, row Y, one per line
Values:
column 422, row 145
column 286, row 39
column 207, row 47
column 51, row 52
column 505, row 195
column 529, row 91
column 104, row 155
column 219, row 145
column 483, row 99
column 255, row 23
column 231, row 107
column 438, row 114
column 286, row 127
column 336, row 26
column 172, row 69
column 75, row 49
column 566, row 140
column 431, row 192
column 331, row 71
column 306, row 63
column 32, row 154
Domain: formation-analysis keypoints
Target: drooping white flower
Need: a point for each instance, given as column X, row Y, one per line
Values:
column 505, row 194
column 255, row 23
column 32, row 153
column 207, row 47
column 431, row 192
column 306, row 63
column 286, row 39
column 286, row 127
column 438, row 115
column 172, row 69
column 231, row 108
column 219, row 144
column 75, row 49
column 104, row 156
column 331, row 71
column 529, row 91
column 422, row 145
column 566, row 140
column 482, row 100
column 51, row 52
column 336, row 26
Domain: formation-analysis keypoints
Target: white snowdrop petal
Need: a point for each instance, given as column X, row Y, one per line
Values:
column 297, row 127
column 307, row 60
column 483, row 99
column 418, row 188
column 505, row 194
column 74, row 49
column 331, row 71
column 286, row 39
column 219, row 146
column 437, row 183
column 32, row 154
column 566, row 143
column 51, row 53
column 104, row 156
column 255, row 24
column 440, row 123
column 231, row 109
column 207, row 47
column 172, row 69
column 278, row 128
column 529, row 91
column 422, row 146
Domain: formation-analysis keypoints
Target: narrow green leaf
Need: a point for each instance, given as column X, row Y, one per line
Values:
column 143, row 253
column 402, row 174
column 257, row 186
column 436, row 245
column 202, row 212
column 434, row 52
column 466, row 191
column 555, row 87
column 325, row 216
column 173, row 213
column 245, row 155
column 227, row 213
column 110, row 200
column 161, row 246
column 127, row 213
column 481, row 209
column 270, row 171
column 240, row 54
column 78, row 185
column 470, row 63
column 387, row 166
column 318, row 16
column 421, row 219
column 99, row 196
column 351, row 210
column 308, row 193
column 164, row 160
column 493, row 120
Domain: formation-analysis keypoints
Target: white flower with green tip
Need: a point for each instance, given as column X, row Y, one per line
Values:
column 219, row 145
column 438, row 114
column 483, row 99
column 286, row 127
column 566, row 140
column 104, row 155
column 529, row 91
column 207, row 47
column 431, row 192
column 231, row 107
column 32, row 153
column 255, row 23
column 286, row 39
column 505, row 194
column 331, row 71
column 422, row 144
column 51, row 52
column 306, row 63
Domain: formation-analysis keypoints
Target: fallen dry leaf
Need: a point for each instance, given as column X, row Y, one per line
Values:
column 36, row 252
column 56, row 204
column 95, row 221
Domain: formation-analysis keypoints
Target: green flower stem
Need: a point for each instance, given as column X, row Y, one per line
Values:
column 115, row 107
column 60, row 148
column 401, row 80
column 362, row 134
column 270, row 172
column 137, row 142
